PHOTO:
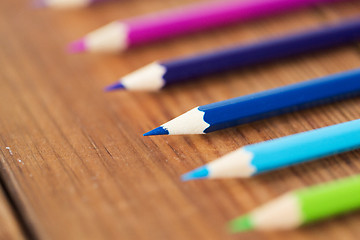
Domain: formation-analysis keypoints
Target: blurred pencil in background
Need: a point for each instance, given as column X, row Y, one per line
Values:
column 120, row 35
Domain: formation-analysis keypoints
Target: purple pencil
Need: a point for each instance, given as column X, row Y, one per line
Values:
column 120, row 35
column 65, row 3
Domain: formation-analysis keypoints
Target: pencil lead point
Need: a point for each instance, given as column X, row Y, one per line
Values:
column 114, row 86
column 241, row 224
column 77, row 46
column 201, row 172
column 157, row 131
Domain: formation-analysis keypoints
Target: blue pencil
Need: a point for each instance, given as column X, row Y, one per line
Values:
column 249, row 108
column 158, row 74
column 282, row 152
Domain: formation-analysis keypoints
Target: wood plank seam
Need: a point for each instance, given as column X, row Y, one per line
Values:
column 16, row 208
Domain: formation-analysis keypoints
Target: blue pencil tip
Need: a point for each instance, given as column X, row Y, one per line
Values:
column 114, row 86
column 157, row 131
column 201, row 172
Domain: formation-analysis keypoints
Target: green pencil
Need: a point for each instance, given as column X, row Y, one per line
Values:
column 302, row 206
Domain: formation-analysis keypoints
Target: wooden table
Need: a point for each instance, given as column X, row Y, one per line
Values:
column 79, row 167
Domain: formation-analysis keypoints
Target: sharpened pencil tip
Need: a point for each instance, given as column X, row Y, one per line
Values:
column 199, row 173
column 114, row 86
column 157, row 131
column 241, row 224
column 77, row 46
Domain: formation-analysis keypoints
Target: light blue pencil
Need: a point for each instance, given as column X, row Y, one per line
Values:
column 282, row 152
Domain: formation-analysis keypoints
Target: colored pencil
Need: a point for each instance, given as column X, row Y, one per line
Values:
column 224, row 114
column 66, row 3
column 120, row 35
column 158, row 74
column 303, row 206
column 282, row 152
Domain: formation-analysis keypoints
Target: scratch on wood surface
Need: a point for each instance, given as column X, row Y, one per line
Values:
column 9, row 149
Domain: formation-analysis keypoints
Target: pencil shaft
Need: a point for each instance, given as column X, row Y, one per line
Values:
column 280, row 100
column 205, row 15
column 246, row 55
column 303, row 147
column 330, row 199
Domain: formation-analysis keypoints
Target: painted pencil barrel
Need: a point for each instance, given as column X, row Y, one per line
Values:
column 201, row 16
column 303, row 206
column 261, row 52
column 329, row 199
column 306, row 146
column 281, row 100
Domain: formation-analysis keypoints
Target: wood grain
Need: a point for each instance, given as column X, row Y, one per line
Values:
column 86, row 172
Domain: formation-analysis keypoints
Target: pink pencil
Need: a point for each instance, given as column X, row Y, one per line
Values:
column 120, row 35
